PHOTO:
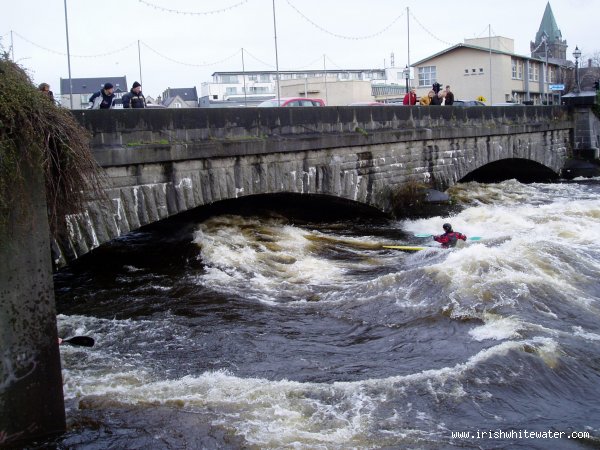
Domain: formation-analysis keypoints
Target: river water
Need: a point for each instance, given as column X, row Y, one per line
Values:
column 258, row 328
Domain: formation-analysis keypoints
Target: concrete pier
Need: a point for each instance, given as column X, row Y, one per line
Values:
column 31, row 395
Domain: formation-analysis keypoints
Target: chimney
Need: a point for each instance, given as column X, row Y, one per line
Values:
column 590, row 62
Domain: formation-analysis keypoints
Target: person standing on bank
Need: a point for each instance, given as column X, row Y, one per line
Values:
column 449, row 97
column 134, row 98
column 449, row 238
column 104, row 98
column 410, row 98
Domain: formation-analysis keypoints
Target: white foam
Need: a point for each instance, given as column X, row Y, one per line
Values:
column 579, row 331
column 497, row 328
column 267, row 259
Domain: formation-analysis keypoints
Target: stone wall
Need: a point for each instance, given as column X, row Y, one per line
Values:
column 164, row 162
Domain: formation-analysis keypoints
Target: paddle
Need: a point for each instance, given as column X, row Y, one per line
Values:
column 84, row 341
column 474, row 238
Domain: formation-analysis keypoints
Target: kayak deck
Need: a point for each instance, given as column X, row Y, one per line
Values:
column 405, row 248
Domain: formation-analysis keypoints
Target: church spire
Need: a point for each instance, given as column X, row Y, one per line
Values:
column 556, row 46
column 548, row 27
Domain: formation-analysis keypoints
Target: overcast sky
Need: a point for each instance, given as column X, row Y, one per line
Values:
column 183, row 50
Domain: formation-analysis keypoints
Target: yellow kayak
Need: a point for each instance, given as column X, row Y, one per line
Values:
column 405, row 248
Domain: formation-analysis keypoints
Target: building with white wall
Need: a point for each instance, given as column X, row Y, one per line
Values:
column 237, row 87
column 488, row 67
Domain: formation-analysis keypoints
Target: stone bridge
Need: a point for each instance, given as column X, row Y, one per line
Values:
column 163, row 162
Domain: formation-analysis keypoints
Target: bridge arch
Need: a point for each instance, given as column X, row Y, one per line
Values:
column 522, row 170
column 160, row 163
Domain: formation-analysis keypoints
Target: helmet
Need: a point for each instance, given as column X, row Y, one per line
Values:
column 447, row 227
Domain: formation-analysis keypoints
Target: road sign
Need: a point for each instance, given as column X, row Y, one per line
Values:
column 557, row 87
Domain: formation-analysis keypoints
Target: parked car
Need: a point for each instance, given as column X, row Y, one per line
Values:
column 292, row 102
column 468, row 103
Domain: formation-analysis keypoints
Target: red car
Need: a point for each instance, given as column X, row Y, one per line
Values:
column 292, row 102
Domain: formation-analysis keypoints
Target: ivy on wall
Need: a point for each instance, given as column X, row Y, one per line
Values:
column 34, row 131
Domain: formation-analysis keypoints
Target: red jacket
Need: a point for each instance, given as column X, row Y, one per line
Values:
column 410, row 98
column 449, row 239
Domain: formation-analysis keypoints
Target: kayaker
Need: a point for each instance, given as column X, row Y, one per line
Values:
column 449, row 238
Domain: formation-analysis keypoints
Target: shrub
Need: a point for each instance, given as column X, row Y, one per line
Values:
column 35, row 131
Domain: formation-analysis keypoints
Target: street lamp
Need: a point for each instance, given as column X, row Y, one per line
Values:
column 576, row 55
column 406, row 73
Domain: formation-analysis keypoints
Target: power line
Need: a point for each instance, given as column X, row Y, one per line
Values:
column 508, row 50
column 189, row 64
column 296, row 69
column 484, row 31
column 429, row 32
column 336, row 65
column 257, row 59
column 318, row 59
column 193, row 13
column 355, row 38
column 74, row 56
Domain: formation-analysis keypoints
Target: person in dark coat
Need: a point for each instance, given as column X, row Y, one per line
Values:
column 134, row 98
column 449, row 97
column 439, row 95
column 104, row 98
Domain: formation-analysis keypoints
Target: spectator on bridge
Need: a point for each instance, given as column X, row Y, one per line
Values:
column 438, row 96
column 448, row 97
column 426, row 99
column 45, row 89
column 134, row 98
column 410, row 98
column 104, row 98
column 449, row 238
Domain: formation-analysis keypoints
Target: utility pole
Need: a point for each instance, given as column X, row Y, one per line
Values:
column 408, row 38
column 490, row 45
column 276, row 55
column 244, row 78
column 140, row 62
column 325, row 73
column 12, row 46
column 68, row 58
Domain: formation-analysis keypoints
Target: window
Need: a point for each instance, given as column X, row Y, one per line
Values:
column 229, row 79
column 534, row 72
column 231, row 90
column 265, row 78
column 481, row 70
column 177, row 105
column 368, row 75
column 466, row 71
column 427, row 75
column 344, row 76
column 517, row 69
column 252, row 77
column 258, row 90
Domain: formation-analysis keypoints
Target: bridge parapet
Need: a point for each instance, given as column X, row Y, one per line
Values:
column 123, row 137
